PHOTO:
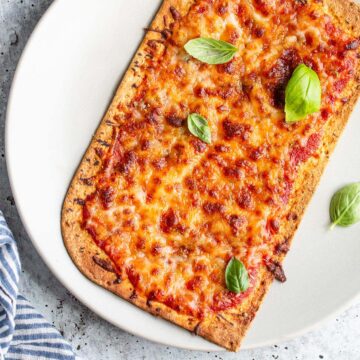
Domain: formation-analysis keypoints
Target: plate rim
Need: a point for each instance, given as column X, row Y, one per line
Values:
column 82, row 299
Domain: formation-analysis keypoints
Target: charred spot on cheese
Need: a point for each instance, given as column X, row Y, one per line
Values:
column 169, row 210
column 169, row 220
column 258, row 32
column 221, row 148
column 145, row 144
column 126, row 161
column 190, row 183
column 257, row 153
column 244, row 199
column 198, row 145
column 237, row 222
column 140, row 243
column 262, row 6
column 232, row 129
column 200, row 91
column 175, row 120
column 273, row 225
column 156, row 249
column 227, row 68
column 222, row 8
column 212, row 208
column 107, row 196
column 160, row 164
column 233, row 172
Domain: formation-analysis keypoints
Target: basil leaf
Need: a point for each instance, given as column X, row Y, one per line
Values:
column 199, row 127
column 302, row 94
column 236, row 276
column 210, row 51
column 345, row 206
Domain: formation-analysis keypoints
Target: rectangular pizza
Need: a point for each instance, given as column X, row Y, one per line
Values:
column 190, row 192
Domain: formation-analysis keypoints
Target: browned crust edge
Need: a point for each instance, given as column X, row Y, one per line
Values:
column 229, row 327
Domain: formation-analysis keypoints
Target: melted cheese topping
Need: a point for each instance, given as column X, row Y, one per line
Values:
column 169, row 210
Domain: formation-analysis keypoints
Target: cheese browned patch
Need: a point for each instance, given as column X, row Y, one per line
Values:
column 154, row 214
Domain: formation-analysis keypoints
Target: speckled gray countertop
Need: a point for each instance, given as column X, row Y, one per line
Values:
column 92, row 337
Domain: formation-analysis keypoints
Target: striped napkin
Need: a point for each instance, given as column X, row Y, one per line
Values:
column 24, row 333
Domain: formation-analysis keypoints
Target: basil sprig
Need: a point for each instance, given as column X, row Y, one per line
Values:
column 236, row 276
column 199, row 127
column 210, row 51
column 345, row 206
column 302, row 94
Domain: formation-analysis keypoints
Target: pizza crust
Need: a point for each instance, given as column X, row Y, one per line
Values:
column 226, row 328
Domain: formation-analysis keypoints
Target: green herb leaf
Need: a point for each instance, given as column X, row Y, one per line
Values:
column 345, row 206
column 236, row 276
column 302, row 94
column 199, row 127
column 210, row 51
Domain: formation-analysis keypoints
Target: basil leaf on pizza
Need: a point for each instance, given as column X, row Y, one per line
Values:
column 210, row 51
column 302, row 94
column 236, row 276
column 199, row 127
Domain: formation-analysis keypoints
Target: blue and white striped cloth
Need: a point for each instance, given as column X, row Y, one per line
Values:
column 24, row 333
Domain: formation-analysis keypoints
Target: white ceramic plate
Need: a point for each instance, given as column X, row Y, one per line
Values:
column 63, row 85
